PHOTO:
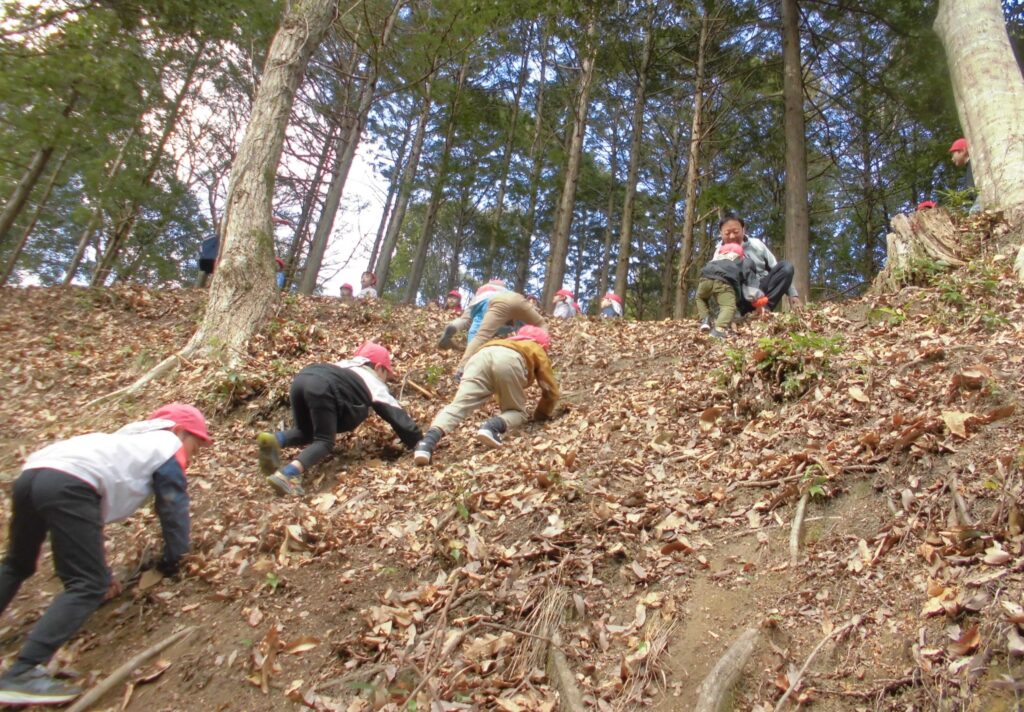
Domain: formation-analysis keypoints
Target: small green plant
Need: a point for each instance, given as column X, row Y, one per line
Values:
column 272, row 581
column 797, row 361
column 887, row 316
column 959, row 201
column 433, row 374
column 815, row 480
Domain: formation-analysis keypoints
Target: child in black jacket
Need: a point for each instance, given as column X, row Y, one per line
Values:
column 726, row 277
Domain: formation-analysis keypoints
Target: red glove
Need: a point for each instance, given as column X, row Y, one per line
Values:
column 760, row 302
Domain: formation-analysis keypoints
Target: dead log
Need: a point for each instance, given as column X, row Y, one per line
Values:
column 919, row 243
column 714, row 690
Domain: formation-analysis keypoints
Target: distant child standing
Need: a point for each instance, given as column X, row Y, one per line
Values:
column 724, row 278
column 503, row 368
column 611, row 306
column 564, row 305
column 346, row 293
column 368, row 282
column 328, row 398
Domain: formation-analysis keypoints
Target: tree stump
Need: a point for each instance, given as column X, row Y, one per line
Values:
column 920, row 244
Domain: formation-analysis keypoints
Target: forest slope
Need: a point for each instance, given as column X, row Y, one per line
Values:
column 637, row 534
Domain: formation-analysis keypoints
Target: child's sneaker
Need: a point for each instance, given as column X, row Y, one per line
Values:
column 270, row 453
column 705, row 324
column 288, row 486
column 716, row 334
column 490, row 432
column 424, row 451
column 35, row 686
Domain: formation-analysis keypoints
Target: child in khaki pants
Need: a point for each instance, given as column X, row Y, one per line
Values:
column 722, row 278
column 503, row 368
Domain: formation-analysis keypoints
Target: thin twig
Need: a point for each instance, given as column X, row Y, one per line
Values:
column 852, row 623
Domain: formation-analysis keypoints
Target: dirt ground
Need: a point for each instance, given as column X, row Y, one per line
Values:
column 636, row 535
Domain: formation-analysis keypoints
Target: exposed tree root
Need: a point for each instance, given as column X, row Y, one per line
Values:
column 715, row 689
column 121, row 674
column 794, row 682
column 153, row 374
column 794, row 534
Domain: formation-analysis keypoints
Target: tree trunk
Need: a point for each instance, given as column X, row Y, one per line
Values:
column 16, row 250
column 312, row 193
column 609, row 213
column 796, row 215
column 244, row 288
column 537, row 164
column 127, row 223
column 692, row 172
column 989, row 95
column 567, row 200
column 387, row 249
column 499, row 207
column 927, row 237
column 329, row 212
column 19, row 196
column 385, row 215
column 666, row 299
column 629, row 202
column 438, row 191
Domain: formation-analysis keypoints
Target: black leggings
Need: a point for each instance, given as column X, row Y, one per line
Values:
column 316, row 419
column 775, row 286
column 44, row 501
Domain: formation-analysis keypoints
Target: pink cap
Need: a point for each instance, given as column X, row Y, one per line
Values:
column 959, row 145
column 563, row 293
column 375, row 354
column 533, row 333
column 187, row 416
column 613, row 297
column 455, row 293
column 926, row 205
column 732, row 247
column 347, row 286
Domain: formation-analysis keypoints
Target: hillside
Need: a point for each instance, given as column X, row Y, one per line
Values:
column 615, row 552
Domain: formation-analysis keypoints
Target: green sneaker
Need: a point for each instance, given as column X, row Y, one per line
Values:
column 270, row 453
column 288, row 486
column 35, row 686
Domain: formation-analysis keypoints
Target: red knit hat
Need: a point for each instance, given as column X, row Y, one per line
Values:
column 375, row 354
column 187, row 416
column 533, row 333
column 926, row 205
column 614, row 297
column 959, row 145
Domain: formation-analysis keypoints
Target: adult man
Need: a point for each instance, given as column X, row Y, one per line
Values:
column 775, row 277
column 70, row 490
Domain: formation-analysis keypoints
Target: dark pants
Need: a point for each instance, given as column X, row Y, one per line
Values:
column 316, row 419
column 775, row 285
column 69, row 509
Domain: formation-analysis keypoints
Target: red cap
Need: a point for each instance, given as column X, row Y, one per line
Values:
column 563, row 293
column 959, row 145
column 926, row 205
column 375, row 354
column 187, row 416
column 455, row 293
column 280, row 262
column 732, row 247
column 533, row 333
column 347, row 286
column 614, row 297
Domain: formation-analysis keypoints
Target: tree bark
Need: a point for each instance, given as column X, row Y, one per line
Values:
column 19, row 196
column 387, row 249
column 666, row 300
column 567, row 200
column 609, row 213
column 437, row 193
column 629, row 201
column 537, row 164
column 244, row 289
column 17, row 249
column 796, row 214
column 506, row 164
column 989, row 95
column 692, row 171
column 346, row 156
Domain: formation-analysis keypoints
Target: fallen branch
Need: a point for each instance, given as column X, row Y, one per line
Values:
column 959, row 505
column 425, row 392
column 794, row 683
column 794, row 534
column 769, row 483
column 121, row 674
column 712, row 693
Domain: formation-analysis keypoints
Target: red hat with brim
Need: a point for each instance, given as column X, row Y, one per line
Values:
column 455, row 293
column 376, row 354
column 187, row 416
column 926, row 205
column 533, row 333
column 347, row 286
column 959, row 145
column 613, row 297
column 563, row 293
